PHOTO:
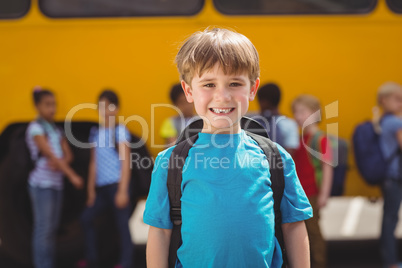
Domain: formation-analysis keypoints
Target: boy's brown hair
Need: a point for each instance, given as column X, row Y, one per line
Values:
column 309, row 101
column 233, row 51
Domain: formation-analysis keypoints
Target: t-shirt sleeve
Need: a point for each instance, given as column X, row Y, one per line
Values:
column 168, row 129
column 290, row 132
column 295, row 205
column 123, row 135
column 392, row 125
column 157, row 207
column 35, row 130
column 326, row 152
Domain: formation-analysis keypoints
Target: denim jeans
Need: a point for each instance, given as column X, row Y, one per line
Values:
column 105, row 197
column 46, row 208
column 392, row 194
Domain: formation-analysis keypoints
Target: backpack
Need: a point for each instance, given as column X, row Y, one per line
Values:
column 177, row 159
column 15, row 206
column 270, row 123
column 339, row 151
column 19, row 163
column 23, row 161
column 370, row 161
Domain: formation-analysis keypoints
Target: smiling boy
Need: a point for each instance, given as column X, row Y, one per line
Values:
column 227, row 213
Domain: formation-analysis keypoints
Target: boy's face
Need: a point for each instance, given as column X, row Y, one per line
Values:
column 220, row 99
column 301, row 113
column 393, row 103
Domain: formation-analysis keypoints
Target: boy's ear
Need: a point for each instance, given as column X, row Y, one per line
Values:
column 187, row 91
column 253, row 89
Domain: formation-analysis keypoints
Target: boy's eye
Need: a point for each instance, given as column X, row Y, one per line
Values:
column 235, row 84
column 209, row 85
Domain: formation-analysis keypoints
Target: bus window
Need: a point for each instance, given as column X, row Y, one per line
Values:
column 14, row 9
column 119, row 8
column 288, row 7
column 395, row 5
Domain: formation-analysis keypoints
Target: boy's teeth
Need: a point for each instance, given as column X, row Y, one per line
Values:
column 221, row 111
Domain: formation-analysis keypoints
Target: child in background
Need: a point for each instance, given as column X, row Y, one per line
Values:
column 172, row 126
column 52, row 155
column 315, row 179
column 281, row 129
column 227, row 208
column 390, row 100
column 109, row 179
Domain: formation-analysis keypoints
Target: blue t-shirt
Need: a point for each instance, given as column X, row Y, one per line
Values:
column 227, row 203
column 289, row 131
column 390, row 125
column 108, row 166
column 42, row 175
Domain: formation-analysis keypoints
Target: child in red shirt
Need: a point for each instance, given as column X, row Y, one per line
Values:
column 315, row 174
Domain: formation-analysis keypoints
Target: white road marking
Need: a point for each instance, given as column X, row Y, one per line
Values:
column 352, row 217
column 138, row 229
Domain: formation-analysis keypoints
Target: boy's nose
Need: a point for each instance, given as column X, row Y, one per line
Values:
column 222, row 94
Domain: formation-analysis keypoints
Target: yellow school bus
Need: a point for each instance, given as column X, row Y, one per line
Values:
column 340, row 51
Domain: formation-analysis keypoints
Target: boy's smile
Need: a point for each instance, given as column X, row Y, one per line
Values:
column 220, row 99
column 221, row 110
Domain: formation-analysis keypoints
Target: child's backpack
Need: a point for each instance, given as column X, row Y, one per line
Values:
column 15, row 167
column 179, row 154
column 19, row 151
column 339, row 151
column 270, row 123
column 15, row 205
column 369, row 158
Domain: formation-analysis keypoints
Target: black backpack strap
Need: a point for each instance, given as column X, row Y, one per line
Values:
column 174, row 179
column 115, row 137
column 278, row 184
